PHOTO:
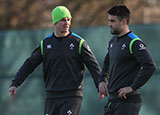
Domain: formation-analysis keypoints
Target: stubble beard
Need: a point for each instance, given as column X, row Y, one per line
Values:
column 114, row 32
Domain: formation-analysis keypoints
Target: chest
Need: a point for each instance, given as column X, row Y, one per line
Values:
column 119, row 50
column 61, row 49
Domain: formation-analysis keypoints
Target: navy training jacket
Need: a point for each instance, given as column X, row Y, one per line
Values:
column 64, row 60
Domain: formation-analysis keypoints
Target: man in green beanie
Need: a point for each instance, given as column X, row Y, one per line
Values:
column 64, row 55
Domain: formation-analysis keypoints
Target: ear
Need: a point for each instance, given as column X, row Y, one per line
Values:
column 124, row 22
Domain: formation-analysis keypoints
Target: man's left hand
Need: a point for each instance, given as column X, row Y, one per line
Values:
column 123, row 91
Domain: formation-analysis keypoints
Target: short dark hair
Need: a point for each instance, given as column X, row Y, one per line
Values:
column 121, row 11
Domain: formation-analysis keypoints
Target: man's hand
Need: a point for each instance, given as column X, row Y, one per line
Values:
column 103, row 90
column 13, row 91
column 123, row 91
column 101, row 96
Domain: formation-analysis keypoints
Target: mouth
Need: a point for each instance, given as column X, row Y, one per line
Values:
column 111, row 29
column 66, row 28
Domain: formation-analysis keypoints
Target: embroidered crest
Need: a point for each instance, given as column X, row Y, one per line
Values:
column 71, row 46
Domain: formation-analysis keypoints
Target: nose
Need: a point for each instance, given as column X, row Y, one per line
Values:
column 109, row 24
column 67, row 22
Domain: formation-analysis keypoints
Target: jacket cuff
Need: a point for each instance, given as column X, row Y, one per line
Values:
column 102, row 78
column 134, row 87
column 14, row 84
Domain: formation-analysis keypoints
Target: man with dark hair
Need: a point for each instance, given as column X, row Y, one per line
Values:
column 64, row 55
column 122, row 12
column 127, row 66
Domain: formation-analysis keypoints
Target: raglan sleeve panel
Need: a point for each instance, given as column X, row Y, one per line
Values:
column 147, row 63
column 105, row 70
column 28, row 67
column 91, row 63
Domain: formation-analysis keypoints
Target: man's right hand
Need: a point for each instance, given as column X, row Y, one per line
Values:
column 13, row 91
column 103, row 90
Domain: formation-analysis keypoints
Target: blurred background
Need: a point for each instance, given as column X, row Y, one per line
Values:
column 23, row 23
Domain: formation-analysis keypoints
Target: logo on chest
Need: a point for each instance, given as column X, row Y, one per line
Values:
column 71, row 46
column 111, row 45
column 123, row 46
column 49, row 46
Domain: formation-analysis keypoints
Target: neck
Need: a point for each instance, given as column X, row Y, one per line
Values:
column 123, row 32
column 61, row 34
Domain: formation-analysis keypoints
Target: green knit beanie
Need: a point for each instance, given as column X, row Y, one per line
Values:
column 59, row 13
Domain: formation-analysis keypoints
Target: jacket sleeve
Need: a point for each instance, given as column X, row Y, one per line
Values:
column 28, row 67
column 147, row 63
column 91, row 63
column 105, row 70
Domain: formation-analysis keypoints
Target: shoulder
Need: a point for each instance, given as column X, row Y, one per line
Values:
column 76, row 36
column 47, row 37
column 136, row 43
column 133, row 37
